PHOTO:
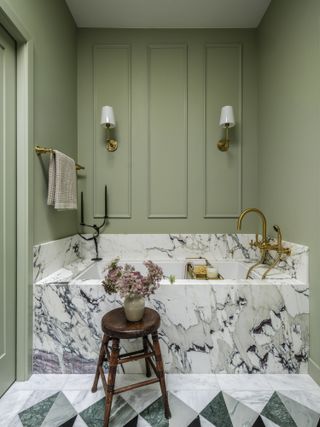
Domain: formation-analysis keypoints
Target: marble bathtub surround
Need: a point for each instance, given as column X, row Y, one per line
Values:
column 211, row 246
column 49, row 257
column 233, row 326
column 260, row 328
column 195, row 400
column 52, row 256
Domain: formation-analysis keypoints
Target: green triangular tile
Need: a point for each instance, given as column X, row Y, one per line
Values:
column 240, row 414
column 300, row 413
column 94, row 415
column 154, row 414
column 277, row 412
column 36, row 414
column 268, row 423
column 217, row 413
column 60, row 412
column 121, row 413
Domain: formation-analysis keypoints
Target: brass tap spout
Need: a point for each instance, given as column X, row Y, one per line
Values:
column 263, row 220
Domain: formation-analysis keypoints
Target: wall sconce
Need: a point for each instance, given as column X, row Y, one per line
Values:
column 226, row 121
column 108, row 121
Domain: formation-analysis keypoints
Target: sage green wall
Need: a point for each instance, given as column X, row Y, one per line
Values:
column 289, row 149
column 53, row 31
column 167, row 88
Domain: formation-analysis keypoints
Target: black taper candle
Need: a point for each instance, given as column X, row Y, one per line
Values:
column 105, row 202
column 82, row 218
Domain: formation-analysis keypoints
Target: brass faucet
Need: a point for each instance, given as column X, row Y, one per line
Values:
column 259, row 244
column 264, row 244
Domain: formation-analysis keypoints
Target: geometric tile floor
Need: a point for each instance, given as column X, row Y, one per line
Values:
column 195, row 401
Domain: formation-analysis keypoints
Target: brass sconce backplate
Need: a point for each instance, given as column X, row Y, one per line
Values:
column 111, row 145
column 223, row 144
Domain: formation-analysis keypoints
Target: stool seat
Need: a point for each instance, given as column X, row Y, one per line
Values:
column 115, row 325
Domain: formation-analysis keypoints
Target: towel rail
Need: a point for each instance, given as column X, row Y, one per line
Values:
column 43, row 150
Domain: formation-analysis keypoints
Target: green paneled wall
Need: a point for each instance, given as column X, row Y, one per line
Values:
column 167, row 88
column 289, row 149
column 53, row 31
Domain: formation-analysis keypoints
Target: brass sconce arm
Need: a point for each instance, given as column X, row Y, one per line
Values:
column 108, row 121
column 223, row 144
column 111, row 144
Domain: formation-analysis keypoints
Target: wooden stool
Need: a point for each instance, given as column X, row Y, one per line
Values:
column 115, row 327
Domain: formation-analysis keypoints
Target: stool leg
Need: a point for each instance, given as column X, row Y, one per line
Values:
column 102, row 356
column 145, row 349
column 113, row 362
column 159, row 365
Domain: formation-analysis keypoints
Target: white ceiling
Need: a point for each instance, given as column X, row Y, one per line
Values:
column 168, row 13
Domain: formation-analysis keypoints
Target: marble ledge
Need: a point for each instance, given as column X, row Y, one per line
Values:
column 53, row 256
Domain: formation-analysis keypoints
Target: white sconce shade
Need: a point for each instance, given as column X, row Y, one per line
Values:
column 227, row 117
column 107, row 117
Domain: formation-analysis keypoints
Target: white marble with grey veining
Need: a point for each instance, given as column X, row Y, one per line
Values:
column 204, row 328
column 235, row 326
column 181, row 246
column 51, row 256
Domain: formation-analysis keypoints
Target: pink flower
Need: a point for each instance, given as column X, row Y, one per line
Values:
column 126, row 280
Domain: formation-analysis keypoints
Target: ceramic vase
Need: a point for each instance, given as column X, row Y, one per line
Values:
column 134, row 307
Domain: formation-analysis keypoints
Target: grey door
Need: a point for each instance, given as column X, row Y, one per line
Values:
column 7, row 211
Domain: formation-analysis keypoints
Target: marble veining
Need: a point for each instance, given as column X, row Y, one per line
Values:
column 243, row 326
column 195, row 400
column 213, row 329
column 51, row 256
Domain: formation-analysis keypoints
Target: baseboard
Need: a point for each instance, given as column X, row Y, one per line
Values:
column 314, row 371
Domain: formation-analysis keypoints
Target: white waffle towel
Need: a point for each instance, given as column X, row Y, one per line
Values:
column 62, row 183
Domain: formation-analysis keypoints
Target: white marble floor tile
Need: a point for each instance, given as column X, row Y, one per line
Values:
column 191, row 381
column 269, row 423
column 204, row 422
column 301, row 415
column 254, row 399
column 79, row 422
column 79, row 382
column 81, row 399
column 197, row 399
column 37, row 396
column 240, row 414
column 11, row 404
column 291, row 382
column 141, row 398
column 127, row 379
column 16, row 422
column 243, row 382
column 181, row 415
column 142, row 422
column 42, row 382
column 310, row 399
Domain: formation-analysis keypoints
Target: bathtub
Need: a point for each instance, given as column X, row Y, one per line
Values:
column 235, row 325
column 228, row 270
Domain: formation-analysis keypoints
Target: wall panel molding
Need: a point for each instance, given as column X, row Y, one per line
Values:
column 167, row 69
column 225, row 75
column 111, row 65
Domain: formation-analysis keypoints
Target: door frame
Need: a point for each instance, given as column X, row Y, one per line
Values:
column 25, row 133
